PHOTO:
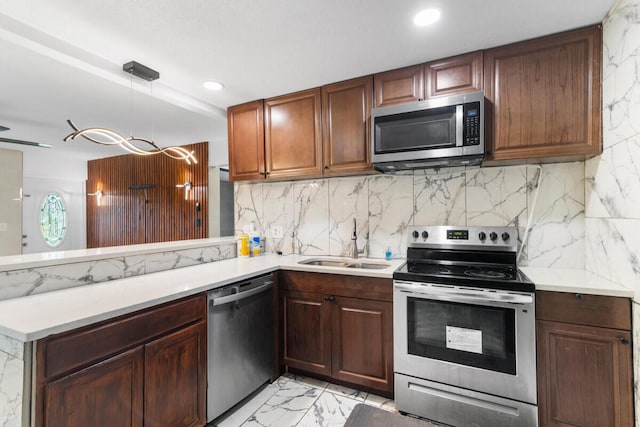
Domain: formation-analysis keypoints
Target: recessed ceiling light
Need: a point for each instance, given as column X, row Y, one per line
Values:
column 211, row 85
column 426, row 17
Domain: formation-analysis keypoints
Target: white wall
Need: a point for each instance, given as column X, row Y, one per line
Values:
column 218, row 152
column 50, row 163
column 10, row 202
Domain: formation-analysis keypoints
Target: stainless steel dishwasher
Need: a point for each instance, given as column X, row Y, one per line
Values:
column 240, row 342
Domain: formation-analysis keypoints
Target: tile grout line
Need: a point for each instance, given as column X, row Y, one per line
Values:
column 259, row 407
column 322, row 390
column 309, row 408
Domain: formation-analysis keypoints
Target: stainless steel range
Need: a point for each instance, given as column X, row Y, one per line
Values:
column 464, row 329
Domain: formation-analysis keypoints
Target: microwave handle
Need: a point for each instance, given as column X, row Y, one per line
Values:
column 459, row 118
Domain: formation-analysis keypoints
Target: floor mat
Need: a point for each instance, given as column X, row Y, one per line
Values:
column 369, row 416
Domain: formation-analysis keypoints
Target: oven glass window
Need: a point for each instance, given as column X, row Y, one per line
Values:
column 434, row 128
column 467, row 334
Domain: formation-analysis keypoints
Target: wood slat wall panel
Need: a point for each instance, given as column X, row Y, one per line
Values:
column 128, row 216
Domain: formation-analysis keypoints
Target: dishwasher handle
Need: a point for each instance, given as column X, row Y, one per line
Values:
column 242, row 295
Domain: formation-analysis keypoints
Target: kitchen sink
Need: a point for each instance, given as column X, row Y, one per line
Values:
column 368, row 265
column 344, row 263
column 325, row 262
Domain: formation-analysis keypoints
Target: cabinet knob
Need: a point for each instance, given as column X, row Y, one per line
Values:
column 326, row 166
column 579, row 296
column 330, row 298
column 624, row 341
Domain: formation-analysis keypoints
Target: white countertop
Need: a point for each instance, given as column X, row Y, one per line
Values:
column 33, row 317
column 36, row 316
column 14, row 262
column 575, row 281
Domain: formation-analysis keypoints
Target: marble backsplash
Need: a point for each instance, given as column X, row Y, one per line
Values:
column 36, row 280
column 317, row 215
column 612, row 180
column 11, row 381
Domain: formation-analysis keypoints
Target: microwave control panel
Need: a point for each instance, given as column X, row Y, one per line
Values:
column 471, row 123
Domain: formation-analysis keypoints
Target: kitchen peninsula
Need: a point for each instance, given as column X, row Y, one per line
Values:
column 25, row 320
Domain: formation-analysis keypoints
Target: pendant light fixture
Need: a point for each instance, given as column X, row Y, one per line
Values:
column 106, row 136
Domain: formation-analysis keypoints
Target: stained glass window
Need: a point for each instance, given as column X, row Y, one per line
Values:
column 53, row 220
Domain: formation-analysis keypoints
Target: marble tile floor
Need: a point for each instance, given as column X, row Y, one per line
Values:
column 300, row 401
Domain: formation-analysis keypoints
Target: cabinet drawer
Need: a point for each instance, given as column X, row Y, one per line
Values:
column 595, row 310
column 69, row 351
column 374, row 288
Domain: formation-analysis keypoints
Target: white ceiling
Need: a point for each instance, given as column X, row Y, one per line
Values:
column 63, row 59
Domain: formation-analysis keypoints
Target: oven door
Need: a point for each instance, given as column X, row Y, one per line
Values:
column 477, row 339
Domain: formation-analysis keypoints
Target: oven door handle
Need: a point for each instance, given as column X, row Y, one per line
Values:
column 463, row 295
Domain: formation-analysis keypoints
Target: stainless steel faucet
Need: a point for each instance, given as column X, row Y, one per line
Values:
column 354, row 242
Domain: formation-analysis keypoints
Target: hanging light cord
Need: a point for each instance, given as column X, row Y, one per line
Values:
column 106, row 136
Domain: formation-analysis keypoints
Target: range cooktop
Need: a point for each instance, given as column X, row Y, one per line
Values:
column 483, row 257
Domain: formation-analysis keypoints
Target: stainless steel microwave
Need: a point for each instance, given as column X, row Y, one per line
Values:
column 446, row 131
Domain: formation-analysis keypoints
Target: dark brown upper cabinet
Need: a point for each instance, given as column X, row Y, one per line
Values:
column 453, row 76
column 346, row 114
column 293, row 135
column 543, row 105
column 245, row 126
column 544, row 98
column 450, row 76
column 399, row 86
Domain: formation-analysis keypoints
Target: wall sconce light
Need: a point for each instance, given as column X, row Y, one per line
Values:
column 98, row 194
column 187, row 187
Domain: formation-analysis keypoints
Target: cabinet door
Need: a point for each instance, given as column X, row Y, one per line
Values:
column 175, row 378
column 346, row 112
column 584, row 375
column 545, row 98
column 307, row 332
column 246, row 141
column 108, row 393
column 293, row 135
column 363, row 343
column 453, row 76
column 399, row 86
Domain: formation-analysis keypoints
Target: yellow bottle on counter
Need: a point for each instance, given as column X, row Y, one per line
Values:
column 243, row 245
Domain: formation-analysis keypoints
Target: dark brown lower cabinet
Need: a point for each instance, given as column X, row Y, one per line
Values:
column 307, row 332
column 362, row 336
column 143, row 369
column 330, row 331
column 174, row 381
column 584, row 369
column 108, row 393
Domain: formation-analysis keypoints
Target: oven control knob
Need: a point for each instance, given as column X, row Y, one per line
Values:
column 415, row 234
column 493, row 235
column 482, row 235
column 505, row 236
column 425, row 235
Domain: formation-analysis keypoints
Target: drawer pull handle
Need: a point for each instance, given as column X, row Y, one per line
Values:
column 624, row 341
